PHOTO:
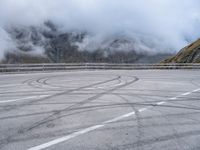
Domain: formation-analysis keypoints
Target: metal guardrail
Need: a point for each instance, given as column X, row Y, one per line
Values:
column 6, row 68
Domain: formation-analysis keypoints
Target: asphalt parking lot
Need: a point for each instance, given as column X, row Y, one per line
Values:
column 101, row 110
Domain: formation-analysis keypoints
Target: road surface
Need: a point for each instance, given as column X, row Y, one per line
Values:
column 101, row 110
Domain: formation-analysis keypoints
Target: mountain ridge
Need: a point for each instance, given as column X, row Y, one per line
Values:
column 49, row 45
column 189, row 54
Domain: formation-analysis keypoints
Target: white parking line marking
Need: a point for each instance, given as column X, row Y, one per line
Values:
column 92, row 128
column 9, row 85
column 143, row 109
column 173, row 98
column 161, row 103
column 66, row 138
column 103, row 87
column 26, row 98
column 197, row 90
column 120, row 117
column 184, row 94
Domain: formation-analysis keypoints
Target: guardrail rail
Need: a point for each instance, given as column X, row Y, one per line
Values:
column 9, row 68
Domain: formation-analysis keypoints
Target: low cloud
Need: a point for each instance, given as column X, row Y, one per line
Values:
column 155, row 25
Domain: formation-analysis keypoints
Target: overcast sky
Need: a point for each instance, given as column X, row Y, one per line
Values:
column 170, row 23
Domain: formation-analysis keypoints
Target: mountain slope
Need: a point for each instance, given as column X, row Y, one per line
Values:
column 189, row 54
column 48, row 44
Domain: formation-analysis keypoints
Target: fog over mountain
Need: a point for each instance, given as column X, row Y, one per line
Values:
column 153, row 26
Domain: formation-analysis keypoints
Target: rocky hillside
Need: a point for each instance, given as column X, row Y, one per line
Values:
column 189, row 54
column 49, row 45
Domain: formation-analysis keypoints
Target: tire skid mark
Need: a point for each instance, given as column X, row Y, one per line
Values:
column 54, row 116
column 69, row 108
column 11, row 107
column 137, row 116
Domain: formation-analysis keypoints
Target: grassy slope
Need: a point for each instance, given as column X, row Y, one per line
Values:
column 189, row 54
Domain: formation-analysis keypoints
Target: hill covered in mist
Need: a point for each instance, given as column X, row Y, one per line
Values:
column 95, row 30
column 47, row 44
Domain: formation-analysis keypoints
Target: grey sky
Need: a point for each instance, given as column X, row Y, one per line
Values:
column 167, row 23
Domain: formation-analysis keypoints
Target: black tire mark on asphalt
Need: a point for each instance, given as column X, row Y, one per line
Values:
column 54, row 116
column 69, row 108
column 96, row 107
column 141, row 104
column 177, row 141
column 170, row 115
column 192, row 81
column 160, row 139
column 137, row 116
column 16, row 106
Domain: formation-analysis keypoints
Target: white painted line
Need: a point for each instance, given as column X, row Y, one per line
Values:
column 106, row 86
column 26, row 98
column 78, row 133
column 92, row 128
column 188, row 93
column 143, row 109
column 197, row 90
column 9, row 85
column 66, row 138
column 120, row 117
column 161, row 103
column 129, row 114
column 173, row 98
column 114, row 85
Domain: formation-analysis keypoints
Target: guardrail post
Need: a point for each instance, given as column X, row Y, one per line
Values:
column 18, row 70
